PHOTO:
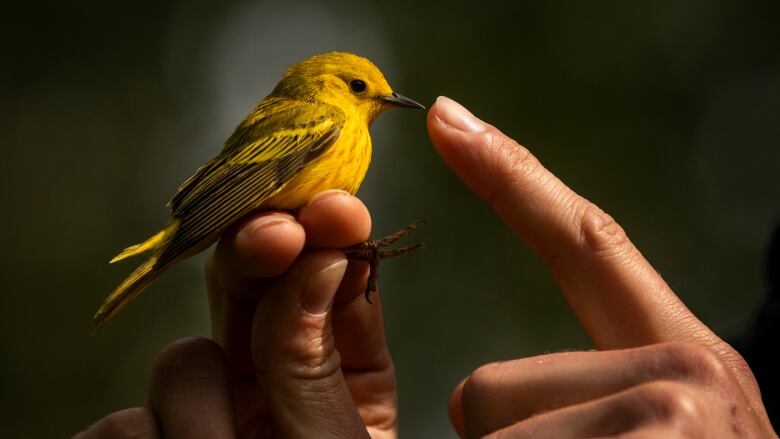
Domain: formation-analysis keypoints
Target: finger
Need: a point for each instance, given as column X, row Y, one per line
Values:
column 357, row 324
column 335, row 219
column 365, row 360
column 617, row 295
column 656, row 431
column 260, row 246
column 455, row 410
column 190, row 390
column 295, row 361
column 655, row 406
column 136, row 423
column 500, row 394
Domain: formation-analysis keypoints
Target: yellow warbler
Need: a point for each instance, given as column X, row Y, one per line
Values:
column 310, row 134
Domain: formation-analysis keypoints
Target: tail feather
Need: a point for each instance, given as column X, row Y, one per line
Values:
column 127, row 291
column 156, row 241
column 139, row 279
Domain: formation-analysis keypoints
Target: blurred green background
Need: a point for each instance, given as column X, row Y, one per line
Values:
column 665, row 113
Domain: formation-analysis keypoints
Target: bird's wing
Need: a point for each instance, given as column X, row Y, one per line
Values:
column 275, row 129
column 267, row 150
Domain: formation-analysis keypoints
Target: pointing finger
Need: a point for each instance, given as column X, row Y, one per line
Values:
column 617, row 295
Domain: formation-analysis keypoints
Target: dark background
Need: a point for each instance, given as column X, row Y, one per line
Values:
column 665, row 113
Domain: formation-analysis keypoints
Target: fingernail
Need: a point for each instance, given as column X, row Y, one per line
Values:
column 328, row 194
column 321, row 287
column 262, row 223
column 457, row 116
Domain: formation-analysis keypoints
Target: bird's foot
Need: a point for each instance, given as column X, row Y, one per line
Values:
column 371, row 252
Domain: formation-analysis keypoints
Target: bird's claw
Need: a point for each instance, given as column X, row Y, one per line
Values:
column 371, row 252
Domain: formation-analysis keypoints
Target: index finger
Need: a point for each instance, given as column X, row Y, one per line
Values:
column 616, row 294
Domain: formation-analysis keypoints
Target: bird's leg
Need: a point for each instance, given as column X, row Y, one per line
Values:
column 371, row 252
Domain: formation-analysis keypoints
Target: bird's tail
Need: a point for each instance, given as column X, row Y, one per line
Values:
column 139, row 279
column 156, row 241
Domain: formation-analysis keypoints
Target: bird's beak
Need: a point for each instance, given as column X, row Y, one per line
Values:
column 402, row 101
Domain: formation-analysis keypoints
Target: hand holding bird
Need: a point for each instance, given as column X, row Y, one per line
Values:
column 309, row 135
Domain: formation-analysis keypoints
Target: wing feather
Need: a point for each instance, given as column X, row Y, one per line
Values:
column 261, row 156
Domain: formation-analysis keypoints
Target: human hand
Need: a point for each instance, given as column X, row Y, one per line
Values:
column 298, row 353
column 658, row 371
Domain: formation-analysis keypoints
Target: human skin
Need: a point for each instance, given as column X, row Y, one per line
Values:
column 298, row 352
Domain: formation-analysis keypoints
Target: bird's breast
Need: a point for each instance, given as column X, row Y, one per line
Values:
column 343, row 166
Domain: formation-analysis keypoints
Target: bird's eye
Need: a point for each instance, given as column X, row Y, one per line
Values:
column 357, row 86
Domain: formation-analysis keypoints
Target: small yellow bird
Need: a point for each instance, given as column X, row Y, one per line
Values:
column 310, row 134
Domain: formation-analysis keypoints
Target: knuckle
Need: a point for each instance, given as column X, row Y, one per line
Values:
column 738, row 365
column 310, row 357
column 600, row 232
column 694, row 362
column 134, row 423
column 522, row 164
column 316, row 359
column 673, row 402
column 733, row 364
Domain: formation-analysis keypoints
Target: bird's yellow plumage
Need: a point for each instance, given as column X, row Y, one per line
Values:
column 310, row 134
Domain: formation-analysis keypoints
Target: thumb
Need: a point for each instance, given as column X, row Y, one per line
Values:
column 296, row 364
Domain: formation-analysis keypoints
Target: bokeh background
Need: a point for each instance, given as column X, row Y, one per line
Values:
column 665, row 113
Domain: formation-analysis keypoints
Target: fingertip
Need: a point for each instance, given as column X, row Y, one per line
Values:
column 309, row 285
column 262, row 245
column 455, row 409
column 432, row 118
column 442, row 135
column 185, row 354
column 335, row 219
column 321, row 287
column 190, row 389
column 482, row 156
column 446, row 112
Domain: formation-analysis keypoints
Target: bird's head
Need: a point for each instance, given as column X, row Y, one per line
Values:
column 347, row 81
